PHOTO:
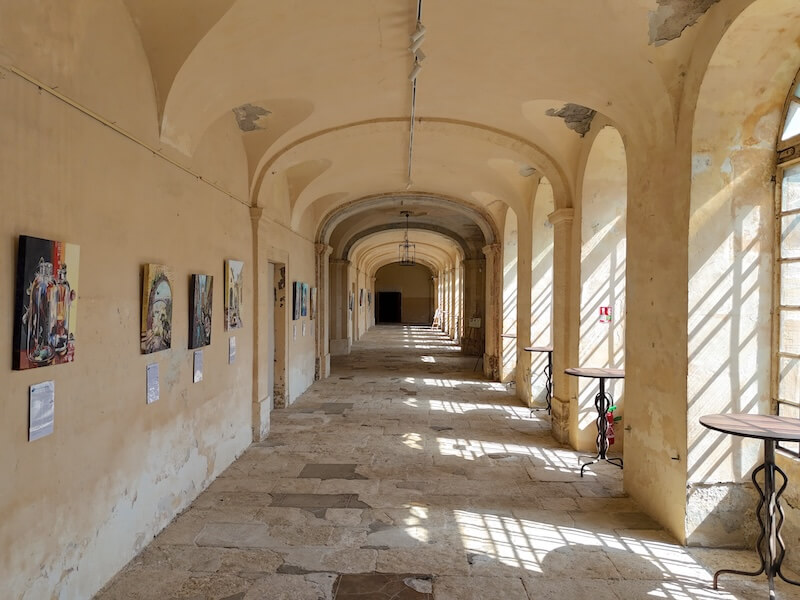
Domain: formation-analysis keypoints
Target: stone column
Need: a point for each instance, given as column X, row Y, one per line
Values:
column 338, row 299
column 322, row 367
column 494, row 294
column 564, row 342
column 437, row 304
column 262, row 395
column 524, row 257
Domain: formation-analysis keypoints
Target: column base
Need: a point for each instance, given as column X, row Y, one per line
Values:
column 491, row 367
column 261, row 414
column 340, row 347
column 559, row 420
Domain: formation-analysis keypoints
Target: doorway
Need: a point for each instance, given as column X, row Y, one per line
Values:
column 388, row 308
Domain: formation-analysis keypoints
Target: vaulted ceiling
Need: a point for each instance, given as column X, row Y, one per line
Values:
column 320, row 93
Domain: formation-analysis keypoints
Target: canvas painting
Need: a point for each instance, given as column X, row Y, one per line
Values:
column 201, row 288
column 350, row 302
column 156, row 309
column 304, row 300
column 297, row 292
column 361, row 297
column 234, row 294
column 313, row 303
column 46, row 303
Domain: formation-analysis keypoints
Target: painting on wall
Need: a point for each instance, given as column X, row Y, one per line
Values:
column 304, row 300
column 201, row 288
column 313, row 303
column 156, row 309
column 297, row 293
column 350, row 303
column 361, row 297
column 234, row 294
column 369, row 297
column 46, row 303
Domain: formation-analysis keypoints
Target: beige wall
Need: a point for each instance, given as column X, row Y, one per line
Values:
column 78, row 504
column 541, row 286
column 414, row 283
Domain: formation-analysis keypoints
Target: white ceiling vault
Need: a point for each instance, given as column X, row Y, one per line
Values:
column 320, row 94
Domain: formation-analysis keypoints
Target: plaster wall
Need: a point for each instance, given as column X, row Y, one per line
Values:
column 603, row 220
column 414, row 285
column 78, row 504
column 731, row 245
column 541, row 286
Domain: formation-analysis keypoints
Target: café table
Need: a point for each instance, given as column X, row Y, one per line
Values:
column 548, row 376
column 602, row 402
column 771, row 429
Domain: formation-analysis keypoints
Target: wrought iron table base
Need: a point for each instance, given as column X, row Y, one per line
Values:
column 602, row 401
column 770, row 546
column 548, row 385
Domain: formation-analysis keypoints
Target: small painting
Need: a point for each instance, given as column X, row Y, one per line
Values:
column 361, row 297
column 304, row 300
column 46, row 303
column 313, row 303
column 297, row 293
column 234, row 294
column 201, row 289
column 157, row 297
column 350, row 302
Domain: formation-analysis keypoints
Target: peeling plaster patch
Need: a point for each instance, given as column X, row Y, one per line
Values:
column 576, row 117
column 673, row 16
column 247, row 116
column 727, row 166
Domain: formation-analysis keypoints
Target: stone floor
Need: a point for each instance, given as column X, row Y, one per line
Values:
column 407, row 475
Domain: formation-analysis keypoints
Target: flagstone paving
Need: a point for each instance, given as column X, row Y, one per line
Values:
column 407, row 475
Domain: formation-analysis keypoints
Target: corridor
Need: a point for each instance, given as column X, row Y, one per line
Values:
column 407, row 475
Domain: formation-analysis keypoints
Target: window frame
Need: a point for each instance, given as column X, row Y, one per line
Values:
column 787, row 156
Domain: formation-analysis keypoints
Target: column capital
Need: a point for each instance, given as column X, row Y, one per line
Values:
column 493, row 250
column 340, row 261
column 323, row 250
column 561, row 215
column 255, row 214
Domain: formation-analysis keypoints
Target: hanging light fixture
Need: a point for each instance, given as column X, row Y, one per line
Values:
column 407, row 250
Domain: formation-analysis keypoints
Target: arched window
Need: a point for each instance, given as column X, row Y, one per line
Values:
column 786, row 334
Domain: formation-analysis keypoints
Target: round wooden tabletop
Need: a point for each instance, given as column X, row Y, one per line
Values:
column 538, row 349
column 597, row 373
column 763, row 427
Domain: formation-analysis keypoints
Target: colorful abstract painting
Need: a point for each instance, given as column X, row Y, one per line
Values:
column 234, row 294
column 156, row 309
column 304, row 300
column 201, row 289
column 46, row 303
column 297, row 299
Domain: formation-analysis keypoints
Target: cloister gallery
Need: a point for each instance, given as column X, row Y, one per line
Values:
column 256, row 250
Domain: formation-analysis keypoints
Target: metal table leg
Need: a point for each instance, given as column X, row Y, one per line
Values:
column 601, row 402
column 770, row 545
column 548, row 385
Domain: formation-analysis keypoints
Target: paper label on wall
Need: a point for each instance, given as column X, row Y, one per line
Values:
column 605, row 314
column 304, row 328
column 231, row 350
column 42, row 410
column 294, row 332
column 475, row 322
column 152, row 383
column 198, row 366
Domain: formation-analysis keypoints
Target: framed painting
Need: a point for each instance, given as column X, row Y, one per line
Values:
column 46, row 303
column 304, row 300
column 297, row 292
column 201, row 289
column 313, row 303
column 234, row 294
column 156, row 334
column 350, row 302
column 361, row 297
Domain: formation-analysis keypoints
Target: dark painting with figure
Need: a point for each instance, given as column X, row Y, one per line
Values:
column 201, row 288
column 297, row 299
column 46, row 303
column 156, row 332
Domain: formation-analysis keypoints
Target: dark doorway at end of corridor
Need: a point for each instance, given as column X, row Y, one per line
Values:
column 387, row 307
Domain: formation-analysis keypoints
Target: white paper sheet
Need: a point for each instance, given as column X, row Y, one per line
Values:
column 42, row 410
column 231, row 350
column 198, row 366
column 153, row 391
